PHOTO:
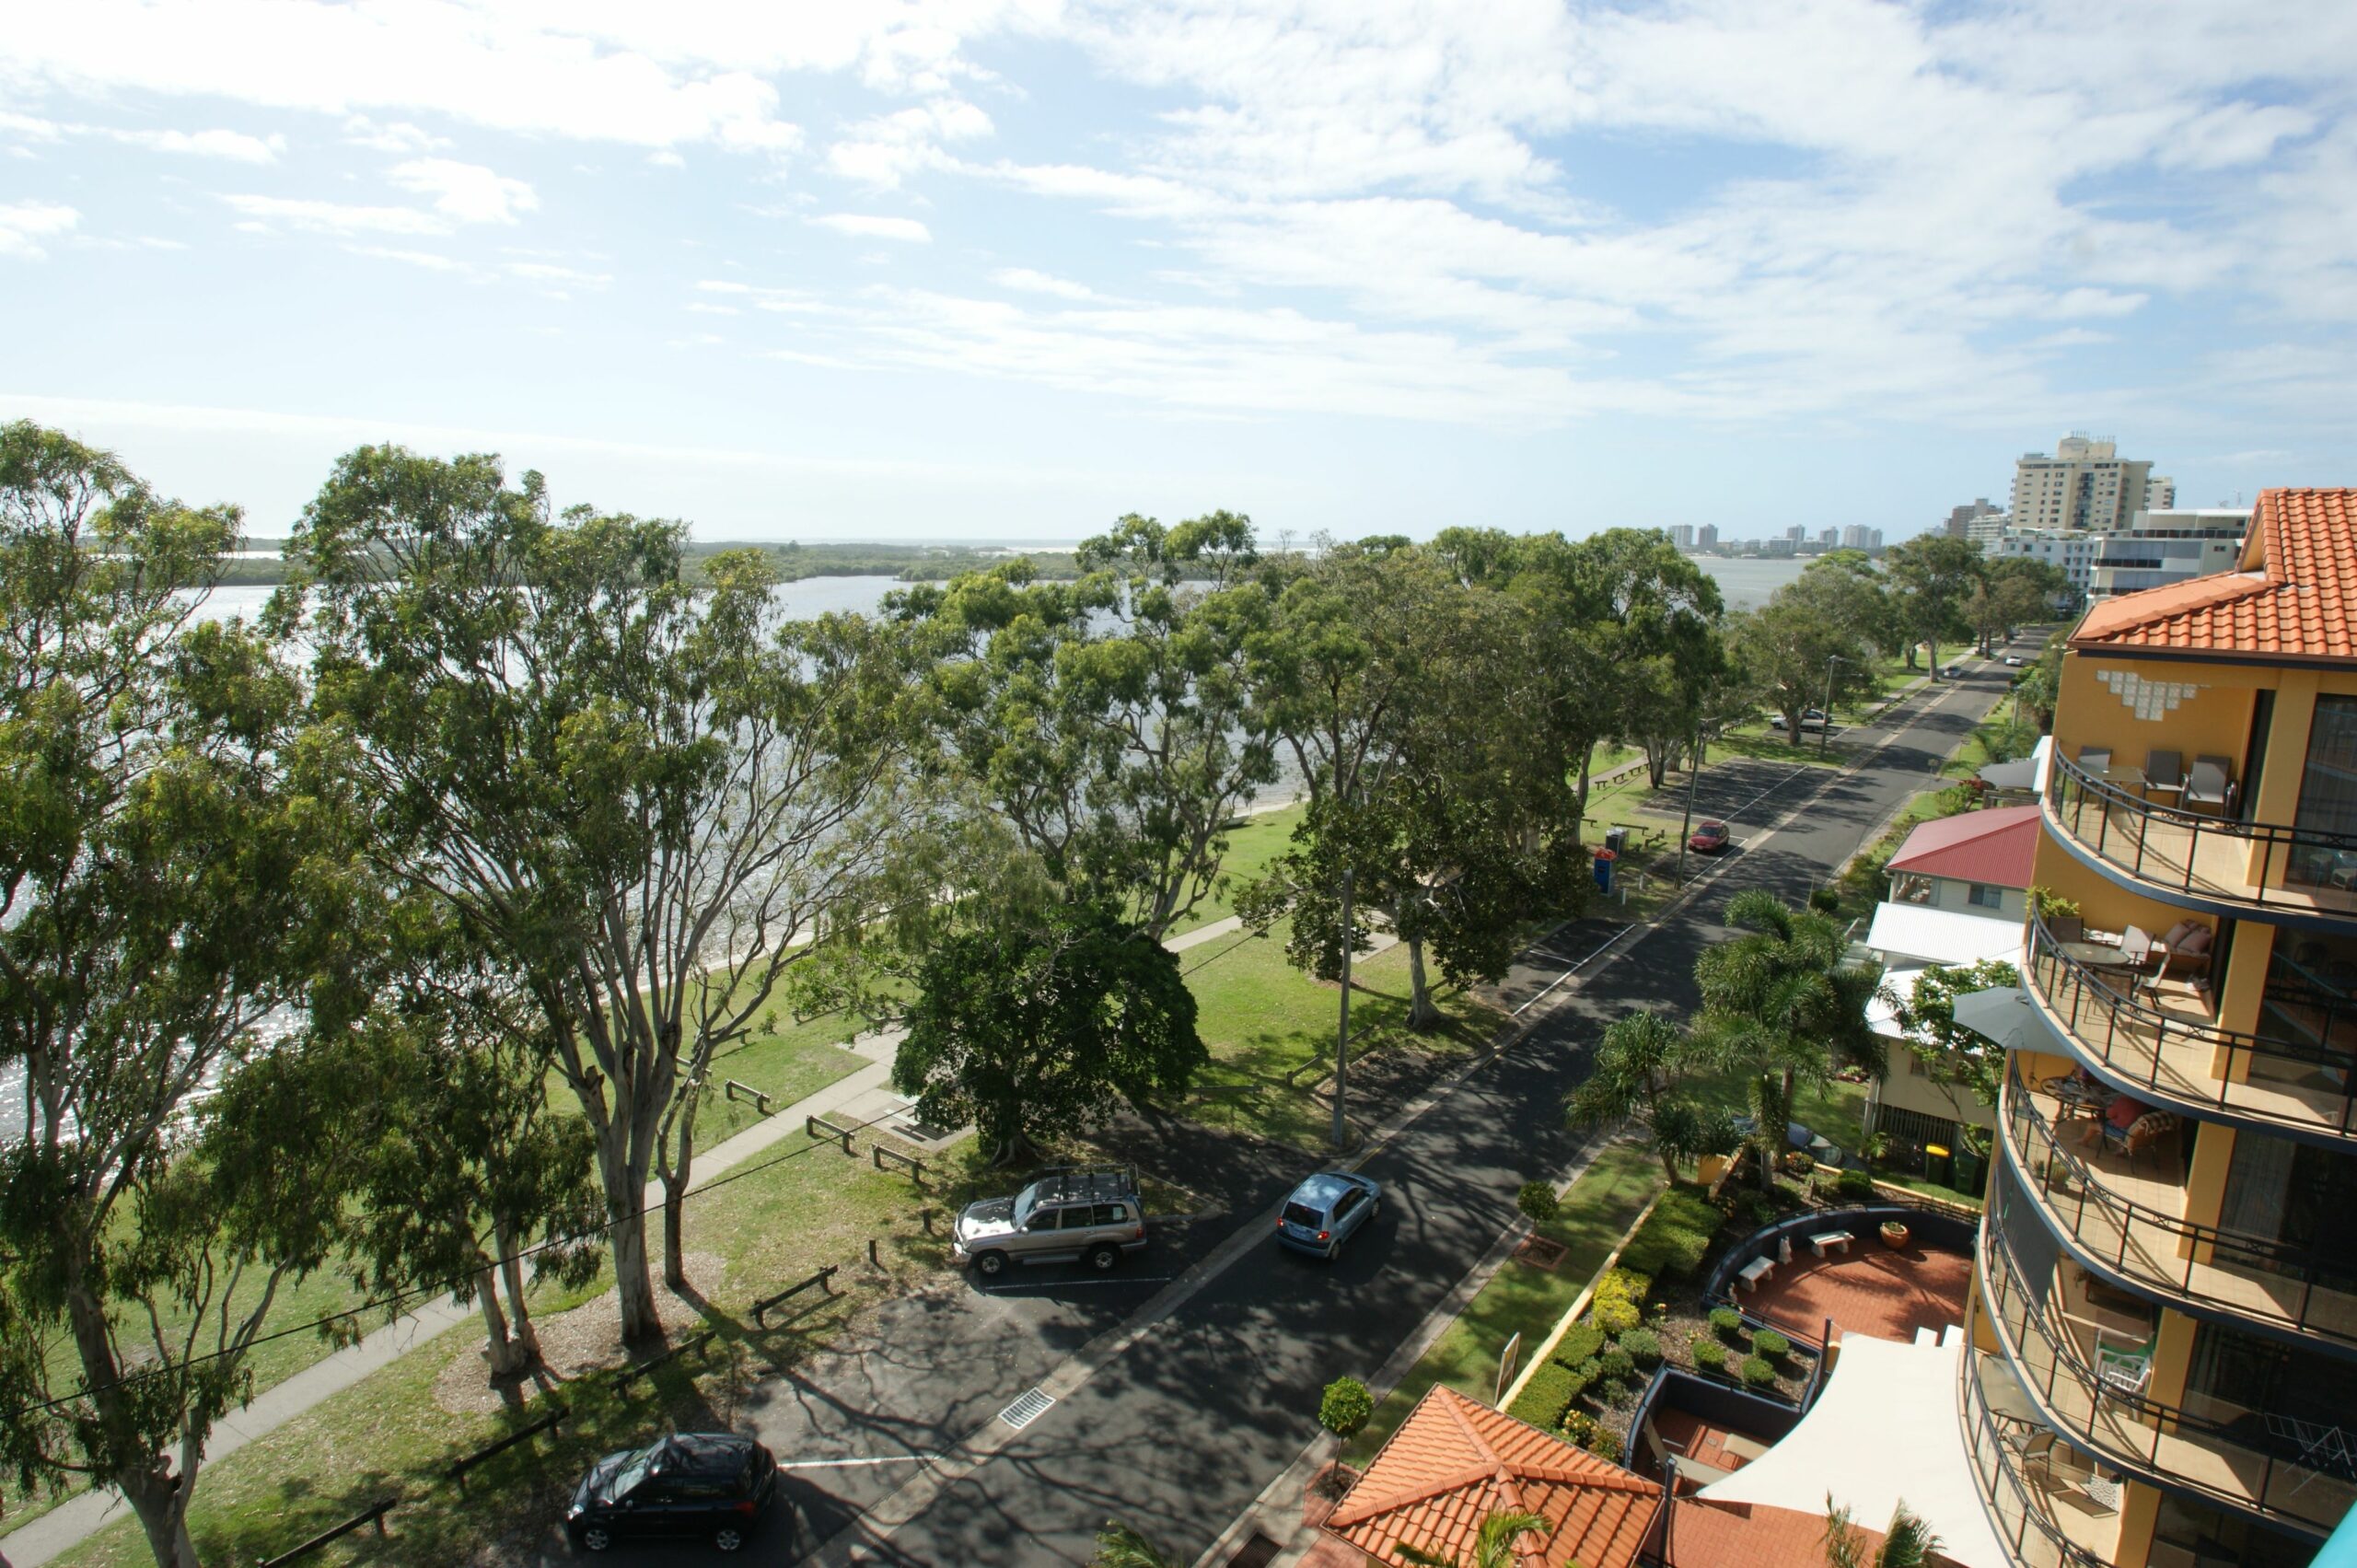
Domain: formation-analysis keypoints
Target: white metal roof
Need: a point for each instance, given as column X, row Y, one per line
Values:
column 1942, row 936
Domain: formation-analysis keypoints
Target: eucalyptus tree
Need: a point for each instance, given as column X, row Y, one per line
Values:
column 1105, row 725
column 1810, row 640
column 1783, row 1006
column 1931, row 581
column 163, row 892
column 644, row 798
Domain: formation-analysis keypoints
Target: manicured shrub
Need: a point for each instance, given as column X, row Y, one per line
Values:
column 1772, row 1344
column 1643, row 1345
column 1727, row 1321
column 1757, row 1374
column 1710, row 1355
column 1674, row 1238
column 1345, row 1407
column 1588, row 1371
column 1537, row 1202
column 1593, row 1435
column 1855, row 1186
column 1825, row 900
column 1615, row 1314
column 1799, row 1162
column 1755, row 1208
column 1627, row 1284
column 1618, row 1365
column 1545, row 1395
column 1581, row 1340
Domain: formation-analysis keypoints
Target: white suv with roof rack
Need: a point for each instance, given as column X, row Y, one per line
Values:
column 1069, row 1212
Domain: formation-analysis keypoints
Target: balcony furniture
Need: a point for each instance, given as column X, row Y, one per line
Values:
column 2103, row 1492
column 2122, row 1369
column 2139, row 1135
column 2096, row 954
column 2095, row 760
column 2066, row 928
column 2164, row 774
column 2077, row 1095
column 2185, row 950
column 1831, row 1241
column 2321, row 1450
column 1757, row 1270
column 2209, row 784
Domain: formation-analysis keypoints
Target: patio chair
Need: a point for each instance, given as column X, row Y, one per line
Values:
column 2187, row 950
column 2139, row 1135
column 2164, row 774
column 2067, row 928
column 2095, row 761
column 2123, row 1368
column 2135, row 953
column 2209, row 783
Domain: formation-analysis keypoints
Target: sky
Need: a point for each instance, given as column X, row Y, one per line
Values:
column 1008, row 268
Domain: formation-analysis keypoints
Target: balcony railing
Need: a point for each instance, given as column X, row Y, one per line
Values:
column 2294, row 1472
column 2027, row 1526
column 2275, row 1284
column 2194, row 1064
column 2259, row 864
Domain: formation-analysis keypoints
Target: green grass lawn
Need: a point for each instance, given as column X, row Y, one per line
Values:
column 1998, row 739
column 1264, row 1020
column 1834, row 1111
column 386, row 1435
column 1597, row 1211
column 1261, row 840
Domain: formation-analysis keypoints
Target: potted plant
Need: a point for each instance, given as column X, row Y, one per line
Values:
column 1895, row 1233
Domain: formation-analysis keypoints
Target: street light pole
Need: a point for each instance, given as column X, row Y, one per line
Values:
column 1824, row 729
column 1342, row 1032
column 1693, row 777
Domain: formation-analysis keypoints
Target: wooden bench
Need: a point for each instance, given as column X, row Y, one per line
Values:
column 1757, row 1270
column 1831, row 1240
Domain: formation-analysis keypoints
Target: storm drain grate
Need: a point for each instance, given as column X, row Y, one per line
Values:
column 1027, row 1410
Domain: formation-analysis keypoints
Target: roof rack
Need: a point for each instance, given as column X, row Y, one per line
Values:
column 1065, row 1183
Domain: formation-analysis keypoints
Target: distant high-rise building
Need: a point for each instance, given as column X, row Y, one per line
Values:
column 1959, row 523
column 1796, row 533
column 1986, row 529
column 1857, row 536
column 1682, row 535
column 1829, row 538
column 1707, row 537
column 2084, row 484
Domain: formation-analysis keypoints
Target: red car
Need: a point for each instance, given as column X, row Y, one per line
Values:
column 1708, row 838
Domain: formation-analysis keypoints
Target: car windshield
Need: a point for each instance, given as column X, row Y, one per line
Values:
column 1024, row 1202
column 634, row 1469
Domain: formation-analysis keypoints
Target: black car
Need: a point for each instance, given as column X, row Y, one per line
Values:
column 696, row 1483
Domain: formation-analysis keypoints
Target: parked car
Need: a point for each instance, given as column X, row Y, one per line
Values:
column 714, row 1484
column 1954, row 672
column 1326, row 1211
column 1708, row 838
column 2015, row 660
column 1073, row 1211
column 1812, row 718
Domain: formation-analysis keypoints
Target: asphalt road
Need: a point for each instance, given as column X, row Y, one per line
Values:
column 1176, row 1422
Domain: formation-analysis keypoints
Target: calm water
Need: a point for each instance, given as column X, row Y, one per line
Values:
column 1746, row 584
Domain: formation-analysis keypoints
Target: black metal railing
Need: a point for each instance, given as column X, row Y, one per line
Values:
column 2272, row 865
column 2167, row 1252
column 2128, row 1428
column 2227, row 1066
column 2031, row 1536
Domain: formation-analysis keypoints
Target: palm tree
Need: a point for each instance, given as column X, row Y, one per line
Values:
column 1117, row 1546
column 1635, row 1072
column 1907, row 1543
column 1493, row 1548
column 1781, row 1005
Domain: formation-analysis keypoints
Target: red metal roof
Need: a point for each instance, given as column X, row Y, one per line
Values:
column 1455, row 1461
column 2294, row 598
column 1995, row 846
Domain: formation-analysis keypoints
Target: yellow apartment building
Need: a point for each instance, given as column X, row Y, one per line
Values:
column 2166, row 1295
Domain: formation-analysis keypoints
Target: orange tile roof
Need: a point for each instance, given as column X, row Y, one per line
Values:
column 1704, row 1534
column 1455, row 1461
column 2293, row 598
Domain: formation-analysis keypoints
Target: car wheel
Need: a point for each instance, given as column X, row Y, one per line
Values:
column 729, row 1537
column 992, row 1264
column 597, row 1538
column 1102, row 1258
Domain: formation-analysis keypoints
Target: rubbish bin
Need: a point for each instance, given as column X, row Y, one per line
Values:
column 1938, row 1165
column 1969, row 1172
column 1616, row 839
column 1604, row 859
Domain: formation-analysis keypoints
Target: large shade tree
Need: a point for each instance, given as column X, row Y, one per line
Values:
column 163, row 892
column 646, row 795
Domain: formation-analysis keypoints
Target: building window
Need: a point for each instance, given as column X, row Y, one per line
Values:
column 1984, row 897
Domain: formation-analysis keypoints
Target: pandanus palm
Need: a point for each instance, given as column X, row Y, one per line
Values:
column 1493, row 1548
column 1117, row 1546
column 1782, row 1005
column 1907, row 1543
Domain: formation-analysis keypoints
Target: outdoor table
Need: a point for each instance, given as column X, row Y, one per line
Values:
column 2077, row 1096
column 2099, row 955
column 1757, row 1270
column 1829, row 1240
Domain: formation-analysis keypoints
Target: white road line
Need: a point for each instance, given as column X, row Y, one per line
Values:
column 1063, row 1284
column 1573, row 969
column 847, row 1463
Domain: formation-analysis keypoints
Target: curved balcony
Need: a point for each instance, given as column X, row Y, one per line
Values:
column 2254, row 1461
column 2129, row 1224
column 2292, row 875
column 2299, row 1087
column 2015, row 1472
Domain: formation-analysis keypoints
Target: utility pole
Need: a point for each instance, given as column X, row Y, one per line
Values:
column 1693, row 777
column 1342, row 1032
column 1824, row 729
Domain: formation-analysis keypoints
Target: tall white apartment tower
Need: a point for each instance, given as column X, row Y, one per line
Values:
column 2084, row 484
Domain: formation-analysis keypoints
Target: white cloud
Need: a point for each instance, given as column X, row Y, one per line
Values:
column 398, row 136
column 868, row 226
column 467, row 192
column 1029, row 282
column 544, row 271
column 235, row 145
column 429, row 259
column 884, row 151
column 24, row 225
column 335, row 217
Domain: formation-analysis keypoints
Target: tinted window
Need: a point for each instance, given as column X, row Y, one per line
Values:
column 1112, row 1213
column 1304, row 1216
column 1044, row 1219
column 1351, row 1199
column 1079, row 1216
